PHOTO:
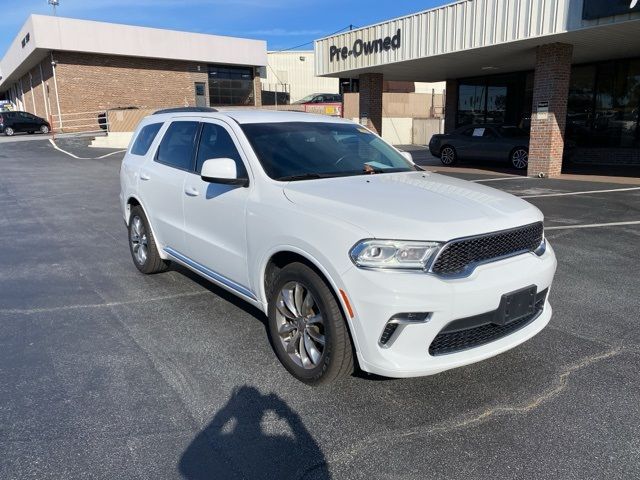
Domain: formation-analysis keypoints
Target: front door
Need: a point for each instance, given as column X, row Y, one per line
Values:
column 201, row 94
column 214, row 214
column 162, row 180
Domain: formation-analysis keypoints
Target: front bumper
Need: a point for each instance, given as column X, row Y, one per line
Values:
column 376, row 296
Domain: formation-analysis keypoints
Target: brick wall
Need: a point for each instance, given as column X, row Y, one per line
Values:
column 371, row 100
column 551, row 84
column 96, row 83
column 451, row 106
column 36, row 94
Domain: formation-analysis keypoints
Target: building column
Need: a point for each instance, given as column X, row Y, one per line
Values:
column 451, row 106
column 371, row 101
column 257, row 88
column 549, row 110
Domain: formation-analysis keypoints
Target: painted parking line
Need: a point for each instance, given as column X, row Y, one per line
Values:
column 592, row 225
column 53, row 143
column 588, row 192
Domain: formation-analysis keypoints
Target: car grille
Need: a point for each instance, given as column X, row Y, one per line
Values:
column 478, row 332
column 459, row 256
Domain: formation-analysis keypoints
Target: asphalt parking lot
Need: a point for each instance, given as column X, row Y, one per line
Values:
column 106, row 373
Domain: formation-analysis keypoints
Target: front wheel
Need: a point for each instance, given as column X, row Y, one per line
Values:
column 520, row 158
column 44, row 129
column 448, row 155
column 9, row 132
column 307, row 327
column 142, row 245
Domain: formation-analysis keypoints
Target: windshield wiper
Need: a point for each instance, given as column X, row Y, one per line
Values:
column 304, row 176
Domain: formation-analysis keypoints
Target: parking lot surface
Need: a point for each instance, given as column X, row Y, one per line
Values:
column 107, row 373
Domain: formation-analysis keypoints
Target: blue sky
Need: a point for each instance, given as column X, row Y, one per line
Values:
column 283, row 23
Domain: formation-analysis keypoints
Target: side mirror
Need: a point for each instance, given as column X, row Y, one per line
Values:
column 222, row 170
column 408, row 156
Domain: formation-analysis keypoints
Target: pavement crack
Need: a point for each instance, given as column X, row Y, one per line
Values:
column 475, row 418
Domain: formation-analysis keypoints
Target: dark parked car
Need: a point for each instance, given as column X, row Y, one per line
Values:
column 320, row 98
column 14, row 122
column 483, row 142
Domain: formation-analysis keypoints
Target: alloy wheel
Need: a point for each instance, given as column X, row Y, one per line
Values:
column 520, row 159
column 448, row 155
column 44, row 129
column 300, row 325
column 8, row 131
column 139, row 240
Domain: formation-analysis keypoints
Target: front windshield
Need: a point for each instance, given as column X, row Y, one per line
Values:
column 306, row 99
column 299, row 150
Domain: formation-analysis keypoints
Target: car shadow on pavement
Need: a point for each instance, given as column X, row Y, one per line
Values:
column 222, row 293
column 254, row 436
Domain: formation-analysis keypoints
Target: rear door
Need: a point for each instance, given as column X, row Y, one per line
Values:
column 32, row 123
column 214, row 214
column 19, row 122
column 162, row 179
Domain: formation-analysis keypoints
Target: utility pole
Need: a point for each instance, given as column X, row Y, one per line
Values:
column 54, row 4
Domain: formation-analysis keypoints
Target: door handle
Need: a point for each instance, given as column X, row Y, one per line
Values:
column 144, row 176
column 191, row 191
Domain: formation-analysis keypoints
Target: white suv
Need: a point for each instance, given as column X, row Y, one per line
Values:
column 353, row 252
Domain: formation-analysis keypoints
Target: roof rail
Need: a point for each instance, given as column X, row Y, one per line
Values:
column 186, row 110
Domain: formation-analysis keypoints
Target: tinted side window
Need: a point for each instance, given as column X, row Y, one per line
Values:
column 215, row 142
column 145, row 139
column 176, row 148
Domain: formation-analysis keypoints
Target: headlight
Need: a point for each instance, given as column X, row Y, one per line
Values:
column 393, row 254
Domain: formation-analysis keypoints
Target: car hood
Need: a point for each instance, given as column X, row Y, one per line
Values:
column 413, row 205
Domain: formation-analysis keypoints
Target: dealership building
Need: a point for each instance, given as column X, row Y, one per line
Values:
column 71, row 70
column 567, row 69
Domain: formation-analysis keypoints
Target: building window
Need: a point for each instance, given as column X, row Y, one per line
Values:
column 230, row 85
column 500, row 99
column 604, row 104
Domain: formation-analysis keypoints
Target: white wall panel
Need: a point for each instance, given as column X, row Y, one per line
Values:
column 459, row 26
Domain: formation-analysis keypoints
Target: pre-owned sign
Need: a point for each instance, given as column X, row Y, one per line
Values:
column 361, row 47
column 607, row 8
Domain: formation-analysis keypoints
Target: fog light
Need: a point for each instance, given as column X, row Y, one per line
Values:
column 401, row 320
column 388, row 332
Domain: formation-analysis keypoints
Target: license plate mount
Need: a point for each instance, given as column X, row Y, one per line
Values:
column 516, row 305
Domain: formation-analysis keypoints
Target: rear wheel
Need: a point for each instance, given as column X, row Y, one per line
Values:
column 44, row 129
column 9, row 132
column 519, row 158
column 307, row 327
column 448, row 155
column 142, row 245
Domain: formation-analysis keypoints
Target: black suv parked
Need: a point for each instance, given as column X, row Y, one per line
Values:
column 13, row 122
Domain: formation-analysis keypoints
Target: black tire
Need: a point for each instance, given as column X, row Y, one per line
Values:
column 151, row 263
column 448, row 155
column 9, row 132
column 336, row 360
column 31, row 132
column 519, row 158
column 44, row 129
